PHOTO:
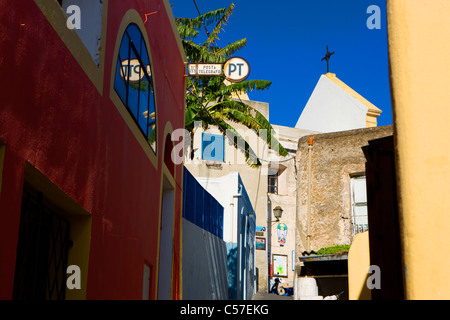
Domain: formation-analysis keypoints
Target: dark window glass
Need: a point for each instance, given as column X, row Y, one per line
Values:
column 273, row 184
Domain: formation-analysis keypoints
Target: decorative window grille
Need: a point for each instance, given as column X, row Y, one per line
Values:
column 42, row 251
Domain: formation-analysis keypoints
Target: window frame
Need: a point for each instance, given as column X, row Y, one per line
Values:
column 57, row 18
column 82, row 36
column 355, row 204
column 132, row 16
column 221, row 156
column 269, row 185
column 118, row 70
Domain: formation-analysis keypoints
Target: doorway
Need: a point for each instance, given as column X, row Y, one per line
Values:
column 166, row 241
column 42, row 250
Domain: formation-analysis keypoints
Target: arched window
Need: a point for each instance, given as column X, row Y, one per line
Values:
column 133, row 82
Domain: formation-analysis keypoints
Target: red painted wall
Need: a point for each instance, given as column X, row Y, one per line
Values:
column 52, row 116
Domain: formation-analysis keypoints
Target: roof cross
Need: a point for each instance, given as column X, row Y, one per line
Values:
column 327, row 57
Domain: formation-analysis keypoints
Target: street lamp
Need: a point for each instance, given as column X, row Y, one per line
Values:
column 277, row 211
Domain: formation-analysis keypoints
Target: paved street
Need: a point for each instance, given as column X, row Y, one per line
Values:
column 270, row 296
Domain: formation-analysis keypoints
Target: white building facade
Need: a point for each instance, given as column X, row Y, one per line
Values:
column 334, row 106
column 239, row 222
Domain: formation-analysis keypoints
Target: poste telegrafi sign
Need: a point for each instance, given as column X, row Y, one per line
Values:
column 235, row 69
column 205, row 69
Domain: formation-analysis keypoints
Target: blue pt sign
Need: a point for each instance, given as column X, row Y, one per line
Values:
column 236, row 69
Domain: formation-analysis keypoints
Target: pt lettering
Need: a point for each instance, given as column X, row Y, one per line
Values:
column 233, row 67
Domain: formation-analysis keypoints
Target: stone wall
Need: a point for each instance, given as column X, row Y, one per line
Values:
column 335, row 158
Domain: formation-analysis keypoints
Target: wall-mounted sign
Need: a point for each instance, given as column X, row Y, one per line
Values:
column 280, row 265
column 131, row 70
column 260, row 231
column 260, row 243
column 236, row 69
column 205, row 69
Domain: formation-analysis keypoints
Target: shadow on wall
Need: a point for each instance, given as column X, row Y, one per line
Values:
column 232, row 270
column 216, row 255
column 365, row 293
column 204, row 264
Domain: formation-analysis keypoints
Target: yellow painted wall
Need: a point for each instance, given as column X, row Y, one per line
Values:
column 419, row 51
column 358, row 266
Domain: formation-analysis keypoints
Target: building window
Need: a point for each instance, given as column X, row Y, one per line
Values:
column 134, row 84
column 87, row 19
column 213, row 147
column 359, row 205
column 272, row 184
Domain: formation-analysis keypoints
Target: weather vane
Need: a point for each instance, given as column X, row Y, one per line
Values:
column 327, row 57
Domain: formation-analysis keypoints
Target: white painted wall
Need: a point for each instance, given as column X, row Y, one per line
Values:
column 330, row 109
column 205, row 275
column 238, row 231
column 223, row 189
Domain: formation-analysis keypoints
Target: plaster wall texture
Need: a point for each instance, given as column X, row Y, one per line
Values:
column 358, row 264
column 419, row 45
column 69, row 136
column 285, row 197
column 335, row 157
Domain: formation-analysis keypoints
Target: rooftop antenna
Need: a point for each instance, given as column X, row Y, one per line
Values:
column 327, row 57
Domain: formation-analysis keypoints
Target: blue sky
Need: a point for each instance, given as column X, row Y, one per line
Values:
column 286, row 41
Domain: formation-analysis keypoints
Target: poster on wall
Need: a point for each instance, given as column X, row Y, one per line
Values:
column 260, row 243
column 282, row 233
column 280, row 265
column 260, row 231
